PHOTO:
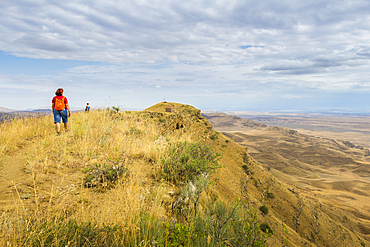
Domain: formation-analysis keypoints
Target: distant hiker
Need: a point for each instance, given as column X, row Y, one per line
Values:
column 60, row 107
column 87, row 108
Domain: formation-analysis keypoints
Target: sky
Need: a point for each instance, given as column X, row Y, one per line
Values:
column 226, row 55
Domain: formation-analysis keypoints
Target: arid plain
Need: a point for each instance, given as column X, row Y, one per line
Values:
column 325, row 156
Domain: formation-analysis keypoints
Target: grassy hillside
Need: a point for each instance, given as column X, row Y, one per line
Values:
column 6, row 116
column 147, row 178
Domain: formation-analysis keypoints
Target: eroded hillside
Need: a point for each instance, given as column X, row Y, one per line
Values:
column 112, row 181
column 332, row 172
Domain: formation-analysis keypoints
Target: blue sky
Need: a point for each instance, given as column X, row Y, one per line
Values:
column 214, row 55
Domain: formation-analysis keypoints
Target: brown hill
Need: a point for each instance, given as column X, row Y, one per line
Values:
column 3, row 109
column 45, row 176
column 333, row 173
column 231, row 122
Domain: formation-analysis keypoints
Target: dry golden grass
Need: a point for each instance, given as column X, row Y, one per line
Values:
column 48, row 170
column 56, row 163
column 44, row 197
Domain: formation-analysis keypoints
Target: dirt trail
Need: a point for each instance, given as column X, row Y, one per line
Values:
column 14, row 177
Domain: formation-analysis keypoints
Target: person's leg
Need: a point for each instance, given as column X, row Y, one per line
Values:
column 57, row 121
column 57, row 125
column 65, row 118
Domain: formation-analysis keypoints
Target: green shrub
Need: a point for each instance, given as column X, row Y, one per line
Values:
column 116, row 108
column 264, row 209
column 176, row 235
column 99, row 175
column 246, row 170
column 186, row 161
column 270, row 195
column 187, row 203
column 149, row 230
column 61, row 232
column 213, row 137
column 134, row 131
column 227, row 224
column 266, row 228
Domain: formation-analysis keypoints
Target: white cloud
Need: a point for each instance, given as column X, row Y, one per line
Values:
column 220, row 47
column 172, row 31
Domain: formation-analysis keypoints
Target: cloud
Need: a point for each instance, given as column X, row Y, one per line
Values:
column 226, row 48
column 173, row 31
column 364, row 52
column 185, row 79
column 52, row 44
column 318, row 64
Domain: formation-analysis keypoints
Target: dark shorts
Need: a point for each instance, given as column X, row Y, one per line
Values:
column 60, row 115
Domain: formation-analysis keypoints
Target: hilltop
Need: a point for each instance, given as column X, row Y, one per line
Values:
column 128, row 179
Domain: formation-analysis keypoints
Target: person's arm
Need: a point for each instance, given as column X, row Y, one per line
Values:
column 67, row 106
column 69, row 110
column 52, row 107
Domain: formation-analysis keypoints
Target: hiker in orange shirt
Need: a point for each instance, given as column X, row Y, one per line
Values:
column 59, row 106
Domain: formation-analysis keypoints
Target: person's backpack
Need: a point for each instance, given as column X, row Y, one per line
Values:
column 59, row 104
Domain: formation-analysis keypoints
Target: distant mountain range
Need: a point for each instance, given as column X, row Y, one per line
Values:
column 7, row 114
column 7, row 110
column 3, row 109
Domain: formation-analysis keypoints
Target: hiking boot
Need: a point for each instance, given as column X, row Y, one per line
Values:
column 58, row 133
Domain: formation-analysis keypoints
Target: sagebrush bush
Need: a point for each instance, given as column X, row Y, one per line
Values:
column 185, row 161
column 103, row 175
column 227, row 224
column 265, row 227
column 213, row 137
column 270, row 195
column 264, row 209
column 246, row 170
